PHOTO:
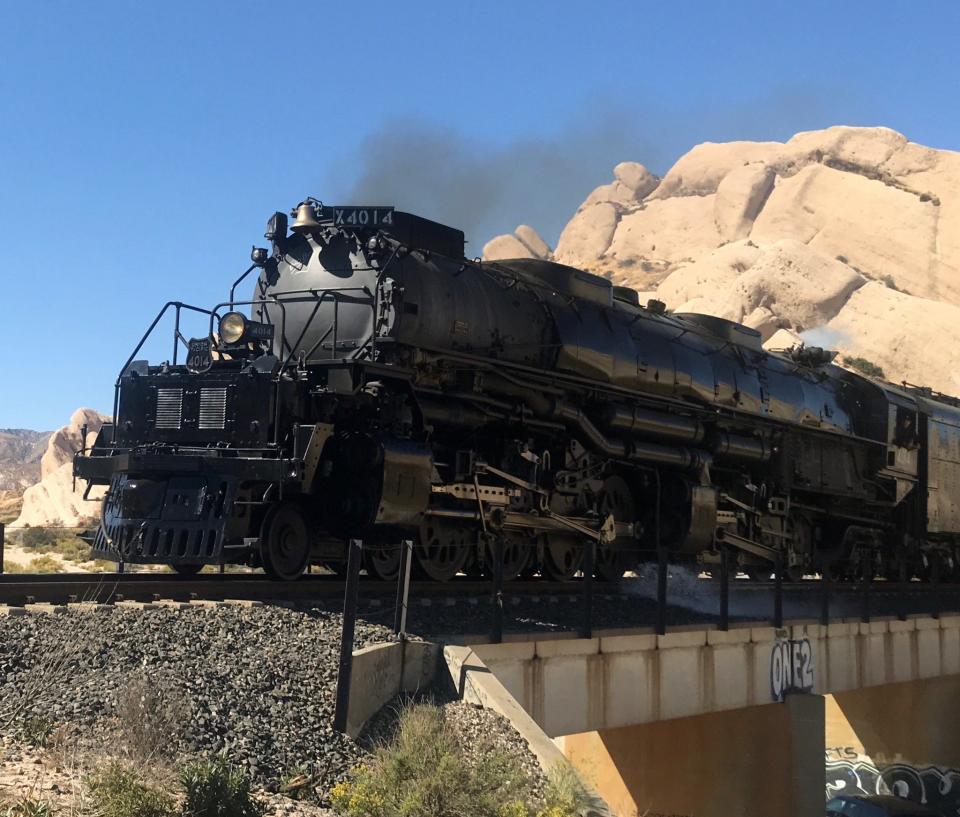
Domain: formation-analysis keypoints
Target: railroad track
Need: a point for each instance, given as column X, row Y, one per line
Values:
column 63, row 588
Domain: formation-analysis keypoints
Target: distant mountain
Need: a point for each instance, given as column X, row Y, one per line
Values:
column 20, row 453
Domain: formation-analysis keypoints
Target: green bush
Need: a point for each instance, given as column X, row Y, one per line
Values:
column 118, row 792
column 864, row 366
column 54, row 539
column 37, row 730
column 214, row 788
column 564, row 795
column 424, row 773
column 72, row 548
column 27, row 807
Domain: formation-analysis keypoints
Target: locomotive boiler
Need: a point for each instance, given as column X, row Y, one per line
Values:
column 378, row 385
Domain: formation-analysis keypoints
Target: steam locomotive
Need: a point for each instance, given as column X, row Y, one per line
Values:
column 378, row 385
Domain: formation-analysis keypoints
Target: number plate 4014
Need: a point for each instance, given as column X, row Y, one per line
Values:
column 362, row 216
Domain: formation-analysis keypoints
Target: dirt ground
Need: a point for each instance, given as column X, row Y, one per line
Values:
column 56, row 777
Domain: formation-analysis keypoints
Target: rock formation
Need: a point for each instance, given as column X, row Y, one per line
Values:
column 524, row 243
column 845, row 236
column 53, row 499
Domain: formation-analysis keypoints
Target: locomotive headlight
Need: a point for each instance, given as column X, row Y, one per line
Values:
column 232, row 327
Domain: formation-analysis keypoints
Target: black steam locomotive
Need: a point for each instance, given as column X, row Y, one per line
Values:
column 380, row 386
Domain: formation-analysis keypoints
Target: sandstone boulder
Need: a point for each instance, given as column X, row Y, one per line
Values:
column 524, row 243
column 532, row 240
column 672, row 230
column 710, row 275
column 782, row 339
column 881, row 230
column 54, row 498
column 65, row 442
column 910, row 338
column 588, row 235
column 740, row 195
column 506, row 246
column 847, row 237
column 636, row 177
column 838, row 189
column 699, row 172
column 784, row 285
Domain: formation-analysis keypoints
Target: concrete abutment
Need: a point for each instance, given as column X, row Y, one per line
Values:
column 687, row 724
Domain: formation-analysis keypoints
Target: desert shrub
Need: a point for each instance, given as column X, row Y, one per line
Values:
column 27, row 807
column 864, row 366
column 45, row 564
column 54, row 539
column 38, row 537
column 214, row 788
column 72, row 548
column 424, row 773
column 298, row 783
column 148, row 718
column 36, row 730
column 564, row 795
column 119, row 792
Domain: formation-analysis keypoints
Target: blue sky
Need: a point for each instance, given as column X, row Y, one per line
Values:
column 142, row 146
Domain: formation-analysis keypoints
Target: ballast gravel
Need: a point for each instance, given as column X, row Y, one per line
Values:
column 257, row 684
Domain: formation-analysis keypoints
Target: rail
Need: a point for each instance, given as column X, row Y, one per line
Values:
column 860, row 597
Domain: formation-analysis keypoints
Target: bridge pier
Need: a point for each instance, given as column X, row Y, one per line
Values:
column 762, row 760
column 897, row 738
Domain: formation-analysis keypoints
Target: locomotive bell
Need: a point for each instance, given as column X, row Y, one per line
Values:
column 306, row 219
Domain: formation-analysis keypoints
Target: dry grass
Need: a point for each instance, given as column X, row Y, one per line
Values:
column 148, row 719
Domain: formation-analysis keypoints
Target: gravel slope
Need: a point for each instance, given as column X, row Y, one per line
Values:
column 256, row 683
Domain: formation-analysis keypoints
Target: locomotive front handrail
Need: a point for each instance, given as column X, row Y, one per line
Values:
column 239, row 280
column 362, row 295
column 177, row 340
column 304, row 296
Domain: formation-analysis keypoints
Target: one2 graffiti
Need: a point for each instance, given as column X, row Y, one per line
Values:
column 932, row 785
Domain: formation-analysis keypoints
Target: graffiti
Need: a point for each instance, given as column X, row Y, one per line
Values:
column 791, row 667
column 934, row 786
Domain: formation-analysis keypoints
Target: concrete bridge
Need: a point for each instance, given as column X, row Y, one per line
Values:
column 750, row 721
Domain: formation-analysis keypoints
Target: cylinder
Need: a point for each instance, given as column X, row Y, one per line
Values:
column 653, row 453
column 457, row 414
column 647, row 423
column 736, row 446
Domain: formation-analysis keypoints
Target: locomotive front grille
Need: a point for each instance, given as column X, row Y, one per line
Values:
column 213, row 408
column 169, row 409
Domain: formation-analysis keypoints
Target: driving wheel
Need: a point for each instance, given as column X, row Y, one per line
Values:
column 562, row 556
column 383, row 561
column 443, row 549
column 285, row 543
column 518, row 552
column 614, row 558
